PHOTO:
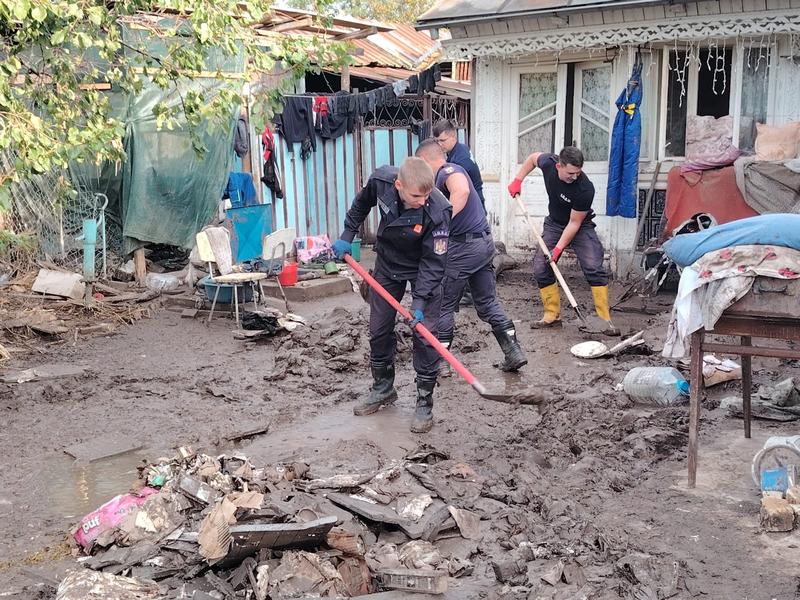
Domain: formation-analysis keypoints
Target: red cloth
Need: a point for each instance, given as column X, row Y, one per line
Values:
column 714, row 192
column 321, row 106
column 268, row 141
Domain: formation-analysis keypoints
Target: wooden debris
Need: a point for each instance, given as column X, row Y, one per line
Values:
column 776, row 514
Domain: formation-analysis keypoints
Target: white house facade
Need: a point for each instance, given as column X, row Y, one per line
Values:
column 547, row 73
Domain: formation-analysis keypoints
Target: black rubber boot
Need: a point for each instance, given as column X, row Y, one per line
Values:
column 423, row 415
column 507, row 338
column 382, row 392
column 446, row 338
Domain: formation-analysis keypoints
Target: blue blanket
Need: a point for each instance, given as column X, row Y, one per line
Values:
column 767, row 230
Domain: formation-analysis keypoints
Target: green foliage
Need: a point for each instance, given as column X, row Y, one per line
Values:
column 17, row 248
column 54, row 53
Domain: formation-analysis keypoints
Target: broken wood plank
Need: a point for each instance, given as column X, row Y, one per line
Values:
column 101, row 447
column 59, row 283
column 42, row 373
column 140, row 266
column 248, row 433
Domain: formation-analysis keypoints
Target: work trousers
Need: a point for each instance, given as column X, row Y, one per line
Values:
column 587, row 248
column 471, row 262
column 382, row 319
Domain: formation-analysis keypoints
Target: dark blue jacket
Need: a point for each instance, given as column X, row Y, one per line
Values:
column 411, row 244
column 461, row 156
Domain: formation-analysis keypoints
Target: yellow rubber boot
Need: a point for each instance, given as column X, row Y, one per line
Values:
column 551, row 300
column 600, row 295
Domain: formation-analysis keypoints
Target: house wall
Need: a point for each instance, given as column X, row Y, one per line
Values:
column 495, row 92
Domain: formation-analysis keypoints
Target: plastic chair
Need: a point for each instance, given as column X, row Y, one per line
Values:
column 237, row 280
column 276, row 240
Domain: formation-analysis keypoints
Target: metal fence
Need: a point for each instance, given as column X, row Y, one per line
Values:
column 50, row 209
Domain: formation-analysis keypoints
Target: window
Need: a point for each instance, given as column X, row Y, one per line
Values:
column 536, row 127
column 562, row 106
column 591, row 113
column 755, row 93
column 697, row 83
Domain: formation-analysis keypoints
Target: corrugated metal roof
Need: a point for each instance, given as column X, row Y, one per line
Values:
column 450, row 12
column 403, row 47
column 458, row 89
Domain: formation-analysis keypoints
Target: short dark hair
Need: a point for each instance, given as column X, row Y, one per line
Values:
column 430, row 147
column 443, row 126
column 571, row 155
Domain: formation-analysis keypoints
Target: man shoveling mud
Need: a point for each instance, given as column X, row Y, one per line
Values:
column 470, row 259
column 411, row 247
column 569, row 224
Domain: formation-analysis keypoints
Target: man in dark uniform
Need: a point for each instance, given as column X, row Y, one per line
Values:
column 457, row 153
column 568, row 224
column 469, row 258
column 412, row 241
column 446, row 134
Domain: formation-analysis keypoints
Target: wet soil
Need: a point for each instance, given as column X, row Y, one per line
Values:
column 588, row 479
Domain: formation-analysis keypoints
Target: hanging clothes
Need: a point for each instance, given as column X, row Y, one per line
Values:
column 296, row 124
column 241, row 139
column 240, row 190
column 623, row 161
column 270, row 176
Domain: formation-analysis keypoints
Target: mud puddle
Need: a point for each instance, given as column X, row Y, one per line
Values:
column 74, row 488
column 338, row 428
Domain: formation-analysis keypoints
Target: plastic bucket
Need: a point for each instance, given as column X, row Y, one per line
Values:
column 288, row 276
column 356, row 250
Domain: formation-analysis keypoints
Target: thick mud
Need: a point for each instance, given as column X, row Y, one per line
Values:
column 582, row 496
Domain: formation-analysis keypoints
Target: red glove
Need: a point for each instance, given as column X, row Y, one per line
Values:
column 555, row 253
column 515, row 187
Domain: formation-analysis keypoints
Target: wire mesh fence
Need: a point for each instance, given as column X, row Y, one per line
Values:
column 50, row 210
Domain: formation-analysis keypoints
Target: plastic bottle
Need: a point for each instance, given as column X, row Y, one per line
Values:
column 663, row 386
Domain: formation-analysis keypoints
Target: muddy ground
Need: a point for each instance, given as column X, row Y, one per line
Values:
column 589, row 478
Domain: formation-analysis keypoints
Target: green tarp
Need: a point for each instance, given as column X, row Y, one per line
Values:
column 164, row 193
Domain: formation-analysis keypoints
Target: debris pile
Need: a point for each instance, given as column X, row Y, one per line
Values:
column 49, row 307
column 199, row 526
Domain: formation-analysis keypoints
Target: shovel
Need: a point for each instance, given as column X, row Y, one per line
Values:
column 600, row 350
column 553, row 265
column 518, row 398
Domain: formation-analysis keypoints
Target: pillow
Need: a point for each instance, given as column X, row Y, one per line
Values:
column 709, row 139
column 777, row 143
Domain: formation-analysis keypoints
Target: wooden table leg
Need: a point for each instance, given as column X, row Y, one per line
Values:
column 695, row 392
column 747, row 384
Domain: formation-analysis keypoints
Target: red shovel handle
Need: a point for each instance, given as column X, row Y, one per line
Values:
column 420, row 328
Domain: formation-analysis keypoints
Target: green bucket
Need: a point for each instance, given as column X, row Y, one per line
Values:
column 356, row 250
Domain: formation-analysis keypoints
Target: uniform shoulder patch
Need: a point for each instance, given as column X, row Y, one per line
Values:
column 449, row 170
column 441, row 237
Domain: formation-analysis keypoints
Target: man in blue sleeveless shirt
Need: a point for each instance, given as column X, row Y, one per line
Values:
column 469, row 258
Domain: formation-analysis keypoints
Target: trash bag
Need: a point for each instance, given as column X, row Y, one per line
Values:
column 254, row 321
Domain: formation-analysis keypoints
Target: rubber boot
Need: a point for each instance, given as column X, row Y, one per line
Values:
column 507, row 338
column 382, row 392
column 423, row 414
column 551, row 300
column 600, row 295
column 446, row 338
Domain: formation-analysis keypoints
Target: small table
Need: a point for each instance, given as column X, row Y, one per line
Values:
column 757, row 315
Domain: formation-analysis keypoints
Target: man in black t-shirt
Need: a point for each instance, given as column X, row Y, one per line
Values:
column 569, row 224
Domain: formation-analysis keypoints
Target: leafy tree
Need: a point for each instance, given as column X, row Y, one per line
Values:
column 54, row 53
column 388, row 11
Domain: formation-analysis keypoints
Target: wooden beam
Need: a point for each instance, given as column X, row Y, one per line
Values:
column 345, row 78
column 140, row 266
column 290, row 24
column 357, row 34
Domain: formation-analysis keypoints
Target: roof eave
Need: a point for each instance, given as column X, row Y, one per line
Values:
column 422, row 24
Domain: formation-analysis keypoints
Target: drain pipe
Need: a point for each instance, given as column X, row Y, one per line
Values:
column 89, row 242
